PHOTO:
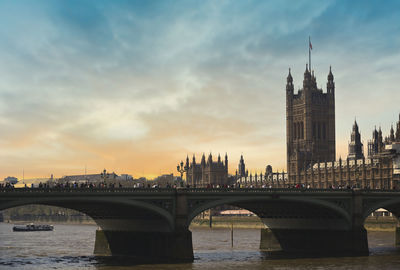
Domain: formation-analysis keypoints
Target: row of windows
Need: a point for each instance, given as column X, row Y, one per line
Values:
column 298, row 130
column 318, row 130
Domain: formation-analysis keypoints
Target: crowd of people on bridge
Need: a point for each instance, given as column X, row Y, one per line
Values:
column 6, row 185
column 105, row 185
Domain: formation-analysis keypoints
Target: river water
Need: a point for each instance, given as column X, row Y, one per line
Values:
column 71, row 247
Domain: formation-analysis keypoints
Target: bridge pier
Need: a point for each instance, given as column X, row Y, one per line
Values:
column 318, row 242
column 268, row 240
column 397, row 237
column 146, row 246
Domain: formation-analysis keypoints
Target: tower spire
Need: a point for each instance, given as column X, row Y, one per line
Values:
column 309, row 52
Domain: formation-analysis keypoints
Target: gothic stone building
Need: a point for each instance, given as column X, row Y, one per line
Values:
column 207, row 173
column 310, row 127
column 310, row 124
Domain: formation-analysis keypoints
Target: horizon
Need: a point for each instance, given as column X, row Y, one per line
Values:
column 134, row 87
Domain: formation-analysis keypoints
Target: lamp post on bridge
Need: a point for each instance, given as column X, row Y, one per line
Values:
column 104, row 176
column 181, row 169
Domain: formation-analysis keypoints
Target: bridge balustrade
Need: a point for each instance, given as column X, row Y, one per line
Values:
column 190, row 190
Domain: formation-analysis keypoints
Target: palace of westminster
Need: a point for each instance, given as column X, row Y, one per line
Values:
column 311, row 149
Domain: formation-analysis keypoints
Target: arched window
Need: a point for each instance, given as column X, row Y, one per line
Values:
column 302, row 130
column 319, row 130
column 314, row 130
column 294, row 131
column 298, row 131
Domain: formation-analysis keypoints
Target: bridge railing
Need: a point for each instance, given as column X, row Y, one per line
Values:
column 87, row 190
column 187, row 190
column 157, row 190
column 264, row 190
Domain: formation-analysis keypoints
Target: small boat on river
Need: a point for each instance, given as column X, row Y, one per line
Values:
column 32, row 228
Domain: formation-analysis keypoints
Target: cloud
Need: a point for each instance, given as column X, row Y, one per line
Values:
column 135, row 85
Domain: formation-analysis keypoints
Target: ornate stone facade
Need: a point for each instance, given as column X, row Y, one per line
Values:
column 241, row 172
column 356, row 150
column 310, row 134
column 310, row 124
column 207, row 173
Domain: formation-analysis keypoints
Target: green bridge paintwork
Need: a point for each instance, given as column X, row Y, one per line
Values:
column 154, row 223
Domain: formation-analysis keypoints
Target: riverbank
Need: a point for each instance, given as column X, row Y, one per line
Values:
column 238, row 222
column 19, row 222
column 244, row 222
column 253, row 222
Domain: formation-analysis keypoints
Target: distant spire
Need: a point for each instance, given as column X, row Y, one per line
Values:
column 187, row 161
column 330, row 75
column 355, row 125
column 392, row 138
column 289, row 78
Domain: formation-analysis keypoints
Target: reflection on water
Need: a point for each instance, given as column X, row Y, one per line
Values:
column 71, row 247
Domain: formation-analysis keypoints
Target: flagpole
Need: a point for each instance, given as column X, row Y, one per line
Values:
column 309, row 52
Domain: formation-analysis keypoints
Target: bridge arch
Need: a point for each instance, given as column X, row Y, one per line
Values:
column 85, row 205
column 244, row 203
column 392, row 205
column 313, row 224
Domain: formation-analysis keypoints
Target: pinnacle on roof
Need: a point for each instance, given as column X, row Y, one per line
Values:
column 330, row 75
column 289, row 77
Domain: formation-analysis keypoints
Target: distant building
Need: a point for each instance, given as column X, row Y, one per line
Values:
column 378, row 145
column 207, row 173
column 241, row 172
column 90, row 178
column 164, row 180
column 11, row 180
column 269, row 178
column 355, row 146
column 126, row 177
column 375, row 146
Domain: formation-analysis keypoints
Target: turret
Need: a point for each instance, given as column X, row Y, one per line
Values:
column 355, row 126
column 375, row 135
column 313, row 80
column 355, row 146
column 242, row 167
column 203, row 160
column 330, row 85
column 226, row 161
column 307, row 79
column 380, row 140
column 289, row 84
column 398, row 130
column 392, row 137
column 219, row 158
column 187, row 162
column 194, row 160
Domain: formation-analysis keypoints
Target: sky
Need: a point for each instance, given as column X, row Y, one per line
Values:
column 135, row 86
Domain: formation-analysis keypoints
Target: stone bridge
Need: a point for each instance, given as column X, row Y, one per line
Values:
column 154, row 223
